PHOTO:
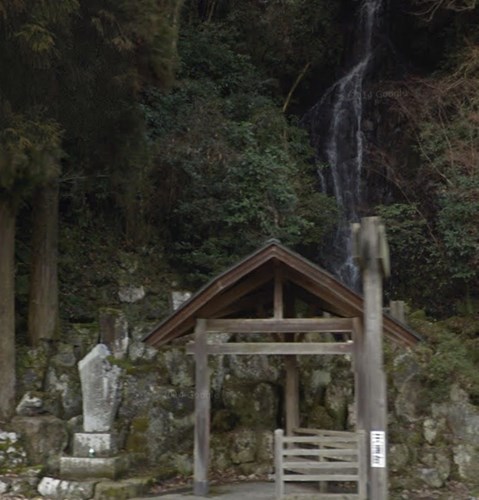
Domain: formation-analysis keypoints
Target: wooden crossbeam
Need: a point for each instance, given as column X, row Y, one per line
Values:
column 324, row 496
column 320, row 439
column 309, row 464
column 321, row 432
column 306, row 452
column 279, row 348
column 320, row 477
column 287, row 325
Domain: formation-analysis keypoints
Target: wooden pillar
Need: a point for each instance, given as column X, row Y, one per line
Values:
column 373, row 256
column 202, row 412
column 291, row 394
column 278, row 295
column 291, row 390
column 278, row 463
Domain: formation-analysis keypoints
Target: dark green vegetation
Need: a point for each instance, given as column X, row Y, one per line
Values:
column 432, row 159
column 169, row 129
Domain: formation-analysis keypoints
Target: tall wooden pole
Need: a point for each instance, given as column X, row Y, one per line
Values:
column 373, row 256
column 202, row 412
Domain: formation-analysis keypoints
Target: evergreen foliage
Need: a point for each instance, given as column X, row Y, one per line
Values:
column 231, row 171
column 30, row 150
column 438, row 114
column 168, row 121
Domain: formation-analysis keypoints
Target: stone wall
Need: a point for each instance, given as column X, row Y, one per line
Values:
column 432, row 441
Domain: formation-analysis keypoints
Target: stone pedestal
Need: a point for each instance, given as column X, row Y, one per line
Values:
column 92, row 467
column 94, row 444
column 95, row 451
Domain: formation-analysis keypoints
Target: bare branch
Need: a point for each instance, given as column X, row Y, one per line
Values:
column 428, row 8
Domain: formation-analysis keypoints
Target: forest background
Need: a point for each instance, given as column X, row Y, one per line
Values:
column 172, row 129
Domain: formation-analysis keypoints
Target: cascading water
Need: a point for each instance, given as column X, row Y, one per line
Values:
column 335, row 124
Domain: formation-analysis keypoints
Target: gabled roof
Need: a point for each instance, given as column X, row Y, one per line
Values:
column 248, row 285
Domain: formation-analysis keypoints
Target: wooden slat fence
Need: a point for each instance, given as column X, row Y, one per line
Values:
column 320, row 456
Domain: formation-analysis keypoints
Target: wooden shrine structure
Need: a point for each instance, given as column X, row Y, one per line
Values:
column 264, row 296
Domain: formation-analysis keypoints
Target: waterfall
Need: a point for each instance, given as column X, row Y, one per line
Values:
column 335, row 125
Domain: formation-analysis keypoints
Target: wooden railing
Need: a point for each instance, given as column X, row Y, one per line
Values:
column 320, row 456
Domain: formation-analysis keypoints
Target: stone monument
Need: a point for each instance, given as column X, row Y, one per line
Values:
column 95, row 450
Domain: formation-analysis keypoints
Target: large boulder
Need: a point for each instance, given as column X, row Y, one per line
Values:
column 114, row 331
column 410, row 398
column 38, row 403
column 436, row 466
column 62, row 381
column 42, row 437
column 253, row 405
column 178, row 366
column 466, row 458
column 167, row 432
column 253, row 368
column 32, row 365
column 461, row 416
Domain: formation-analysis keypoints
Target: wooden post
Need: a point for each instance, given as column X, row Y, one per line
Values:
column 202, row 411
column 291, row 390
column 278, row 299
column 373, row 257
column 278, row 463
column 291, row 393
column 363, row 472
column 396, row 309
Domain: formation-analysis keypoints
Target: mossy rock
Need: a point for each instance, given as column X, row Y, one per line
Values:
column 122, row 490
column 166, row 469
column 319, row 418
column 31, row 366
column 223, row 421
column 254, row 405
column 137, row 439
column 84, row 336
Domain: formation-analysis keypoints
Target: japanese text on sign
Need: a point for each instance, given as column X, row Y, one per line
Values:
column 378, row 449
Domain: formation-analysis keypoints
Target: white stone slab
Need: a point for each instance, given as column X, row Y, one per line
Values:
column 50, row 487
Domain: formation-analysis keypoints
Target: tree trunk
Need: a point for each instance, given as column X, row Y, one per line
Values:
column 7, row 311
column 43, row 313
